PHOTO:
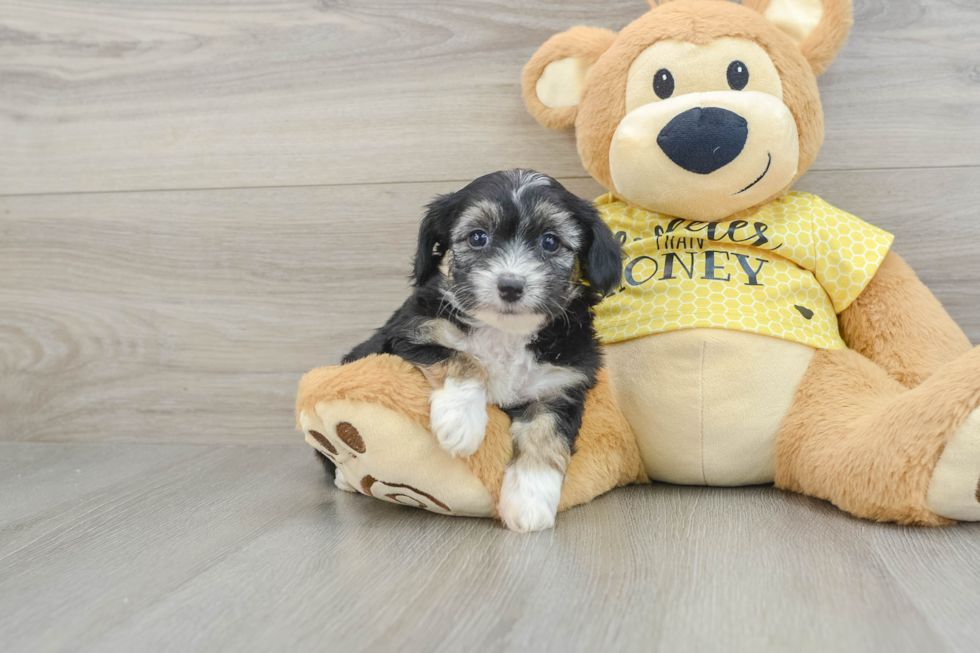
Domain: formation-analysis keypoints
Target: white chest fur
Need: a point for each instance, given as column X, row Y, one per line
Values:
column 514, row 376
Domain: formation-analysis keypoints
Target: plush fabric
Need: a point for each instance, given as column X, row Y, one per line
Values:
column 706, row 404
column 603, row 104
column 383, row 454
column 583, row 43
column 860, row 439
column 820, row 44
column 950, row 489
column 897, row 323
column 371, row 417
column 881, row 416
column 697, row 183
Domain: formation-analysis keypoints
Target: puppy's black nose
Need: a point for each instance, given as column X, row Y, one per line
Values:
column 703, row 140
column 510, row 288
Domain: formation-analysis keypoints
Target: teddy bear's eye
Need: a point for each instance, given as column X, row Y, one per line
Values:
column 738, row 75
column 663, row 84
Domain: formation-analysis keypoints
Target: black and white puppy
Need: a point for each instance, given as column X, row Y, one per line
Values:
column 506, row 274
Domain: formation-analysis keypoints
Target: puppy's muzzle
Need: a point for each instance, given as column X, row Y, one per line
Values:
column 510, row 289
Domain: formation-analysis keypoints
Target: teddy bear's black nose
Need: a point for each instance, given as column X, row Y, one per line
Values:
column 703, row 140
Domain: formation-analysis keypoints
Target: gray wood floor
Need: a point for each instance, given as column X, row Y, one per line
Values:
column 120, row 547
column 201, row 200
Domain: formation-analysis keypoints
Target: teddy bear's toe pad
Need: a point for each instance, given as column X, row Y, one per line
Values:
column 380, row 453
column 954, row 490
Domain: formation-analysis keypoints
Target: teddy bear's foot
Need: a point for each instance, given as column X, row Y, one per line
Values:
column 382, row 454
column 954, row 490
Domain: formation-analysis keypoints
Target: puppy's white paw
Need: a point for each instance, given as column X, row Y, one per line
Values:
column 459, row 416
column 529, row 498
column 341, row 482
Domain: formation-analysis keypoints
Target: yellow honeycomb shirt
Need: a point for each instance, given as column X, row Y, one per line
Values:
column 785, row 270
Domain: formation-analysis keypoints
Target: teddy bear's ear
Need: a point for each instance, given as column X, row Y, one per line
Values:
column 554, row 77
column 819, row 27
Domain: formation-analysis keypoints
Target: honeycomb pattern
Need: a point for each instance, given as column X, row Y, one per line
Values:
column 785, row 270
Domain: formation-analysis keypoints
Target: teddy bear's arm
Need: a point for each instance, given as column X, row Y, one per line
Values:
column 901, row 326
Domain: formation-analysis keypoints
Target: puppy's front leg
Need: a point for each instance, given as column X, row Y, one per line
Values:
column 543, row 434
column 458, row 410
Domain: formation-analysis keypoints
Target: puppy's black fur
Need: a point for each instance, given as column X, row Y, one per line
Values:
column 456, row 285
column 568, row 337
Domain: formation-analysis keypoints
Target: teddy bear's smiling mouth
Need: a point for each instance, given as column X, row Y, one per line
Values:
column 764, row 173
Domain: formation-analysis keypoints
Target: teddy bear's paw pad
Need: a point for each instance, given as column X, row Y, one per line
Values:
column 529, row 498
column 954, row 490
column 382, row 454
column 404, row 494
column 459, row 416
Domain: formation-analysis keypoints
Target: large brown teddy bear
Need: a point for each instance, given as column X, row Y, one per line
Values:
column 760, row 335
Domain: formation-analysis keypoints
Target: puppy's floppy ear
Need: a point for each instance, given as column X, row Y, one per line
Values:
column 819, row 27
column 434, row 235
column 553, row 79
column 601, row 256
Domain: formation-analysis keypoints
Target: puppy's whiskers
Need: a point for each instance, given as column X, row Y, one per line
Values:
column 446, row 298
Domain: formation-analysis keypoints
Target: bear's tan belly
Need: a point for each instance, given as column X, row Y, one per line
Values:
column 706, row 404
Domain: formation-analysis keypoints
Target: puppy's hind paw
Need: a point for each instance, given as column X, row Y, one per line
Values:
column 458, row 416
column 341, row 482
column 529, row 499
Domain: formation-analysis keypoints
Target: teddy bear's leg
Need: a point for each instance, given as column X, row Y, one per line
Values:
column 371, row 419
column 858, row 438
column 606, row 452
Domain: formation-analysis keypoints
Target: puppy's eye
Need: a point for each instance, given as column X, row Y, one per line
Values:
column 663, row 84
column 549, row 243
column 738, row 75
column 479, row 239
